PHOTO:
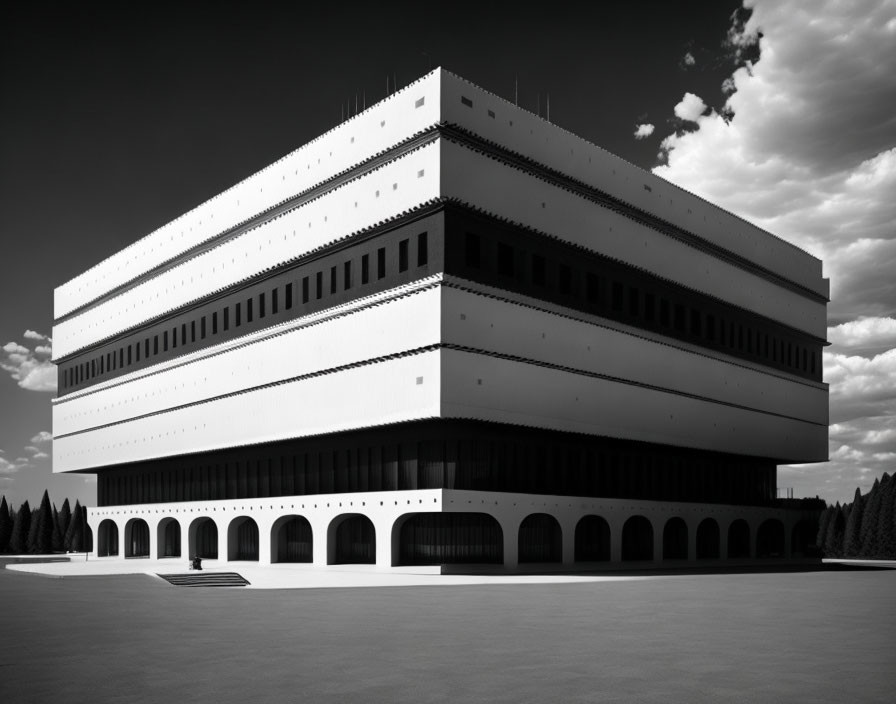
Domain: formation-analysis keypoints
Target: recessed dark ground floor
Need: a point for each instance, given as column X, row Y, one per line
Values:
column 823, row 636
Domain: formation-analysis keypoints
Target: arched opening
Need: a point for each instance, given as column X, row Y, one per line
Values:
column 107, row 538
column 540, row 539
column 637, row 539
column 242, row 539
column 592, row 540
column 204, row 539
column 803, row 538
column 708, row 540
column 738, row 539
column 169, row 538
column 450, row 538
column 770, row 539
column 136, row 538
column 291, row 540
column 675, row 539
column 353, row 540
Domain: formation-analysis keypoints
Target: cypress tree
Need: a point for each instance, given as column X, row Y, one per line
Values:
column 65, row 517
column 824, row 522
column 834, row 540
column 42, row 528
column 75, row 529
column 57, row 533
column 5, row 525
column 886, row 532
column 18, row 541
column 852, row 545
column 872, row 516
column 32, row 530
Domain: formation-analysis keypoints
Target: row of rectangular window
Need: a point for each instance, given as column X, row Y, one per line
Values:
column 630, row 301
column 131, row 354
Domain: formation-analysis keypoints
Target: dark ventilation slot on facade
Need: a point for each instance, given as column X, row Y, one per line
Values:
column 319, row 283
column 249, row 312
column 155, row 343
column 634, row 302
column 618, row 293
column 215, row 323
column 226, row 318
column 664, row 312
column 472, row 255
column 365, row 269
column 381, row 263
column 466, row 101
column 165, row 341
column 564, row 279
column 202, row 327
column 236, row 315
column 275, row 301
column 505, row 259
column 347, row 275
column 679, row 317
column 539, row 270
column 422, row 249
column 403, row 256
column 173, row 338
column 306, row 293
column 711, row 329
column 332, row 280
column 592, row 288
column 287, row 296
column 696, row 326
column 261, row 307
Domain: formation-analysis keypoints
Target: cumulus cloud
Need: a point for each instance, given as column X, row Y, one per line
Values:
column 32, row 370
column 866, row 335
column 805, row 147
column 41, row 437
column 40, row 456
column 7, row 467
column 688, row 59
column 643, row 131
column 690, row 107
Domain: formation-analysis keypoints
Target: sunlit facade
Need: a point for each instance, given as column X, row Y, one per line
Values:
column 447, row 332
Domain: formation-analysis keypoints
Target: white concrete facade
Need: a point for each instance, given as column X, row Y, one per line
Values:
column 441, row 347
column 388, row 510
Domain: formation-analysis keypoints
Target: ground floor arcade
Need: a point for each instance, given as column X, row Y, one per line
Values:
column 452, row 528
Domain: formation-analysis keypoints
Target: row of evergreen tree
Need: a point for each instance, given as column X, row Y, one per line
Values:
column 42, row 530
column 866, row 528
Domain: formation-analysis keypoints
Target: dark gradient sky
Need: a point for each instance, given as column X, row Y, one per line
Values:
column 114, row 122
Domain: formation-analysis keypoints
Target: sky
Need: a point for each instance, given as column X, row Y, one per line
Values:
column 114, row 122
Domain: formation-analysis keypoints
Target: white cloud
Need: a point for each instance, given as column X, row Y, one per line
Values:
column 868, row 334
column 32, row 335
column 806, row 149
column 690, row 107
column 32, row 373
column 688, row 59
column 32, row 449
column 7, row 467
column 40, row 456
column 42, row 436
column 643, row 131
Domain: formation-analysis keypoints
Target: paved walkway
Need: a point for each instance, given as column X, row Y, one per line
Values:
column 302, row 576
column 292, row 576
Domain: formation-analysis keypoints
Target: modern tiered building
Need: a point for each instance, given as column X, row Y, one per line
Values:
column 445, row 332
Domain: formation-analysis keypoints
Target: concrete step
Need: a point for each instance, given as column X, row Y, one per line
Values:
column 206, row 579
